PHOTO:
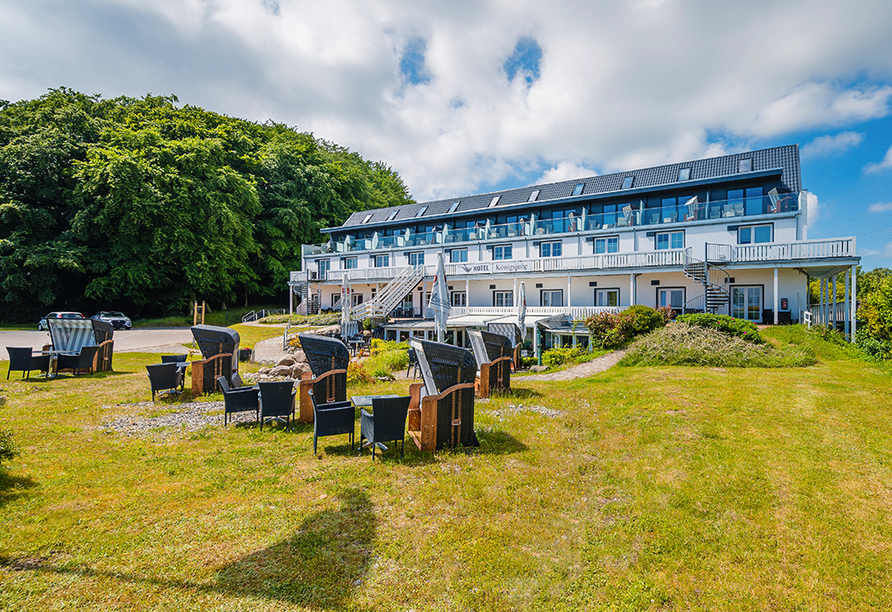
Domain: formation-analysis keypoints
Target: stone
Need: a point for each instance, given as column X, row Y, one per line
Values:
column 299, row 369
column 287, row 360
column 538, row 368
column 281, row 370
column 263, row 371
column 299, row 356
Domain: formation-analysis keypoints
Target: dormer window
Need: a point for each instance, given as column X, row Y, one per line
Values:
column 684, row 174
column 366, row 220
column 627, row 182
column 534, row 195
column 454, row 206
column 745, row 165
column 420, row 211
column 578, row 189
column 494, row 201
column 392, row 215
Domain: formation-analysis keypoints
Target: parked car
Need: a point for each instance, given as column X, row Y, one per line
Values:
column 42, row 326
column 118, row 319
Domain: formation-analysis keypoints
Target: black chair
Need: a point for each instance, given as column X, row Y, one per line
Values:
column 21, row 360
column 165, row 377
column 174, row 358
column 238, row 400
column 386, row 423
column 81, row 361
column 277, row 401
column 413, row 363
column 331, row 419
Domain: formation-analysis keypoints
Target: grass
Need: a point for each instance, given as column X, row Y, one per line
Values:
column 647, row 488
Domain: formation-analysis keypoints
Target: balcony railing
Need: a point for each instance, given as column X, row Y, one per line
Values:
column 625, row 217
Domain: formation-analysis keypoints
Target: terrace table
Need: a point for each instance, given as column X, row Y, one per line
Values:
column 365, row 401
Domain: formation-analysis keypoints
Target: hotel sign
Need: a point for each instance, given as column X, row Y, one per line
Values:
column 482, row 268
column 511, row 267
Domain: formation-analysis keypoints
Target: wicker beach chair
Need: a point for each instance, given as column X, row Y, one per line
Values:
column 328, row 359
column 494, row 356
column 218, row 346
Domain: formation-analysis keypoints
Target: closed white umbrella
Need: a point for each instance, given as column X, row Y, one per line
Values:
column 439, row 302
column 345, row 301
column 522, row 311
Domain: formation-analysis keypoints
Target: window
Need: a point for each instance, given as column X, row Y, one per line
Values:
column 670, row 297
column 454, row 206
column 608, row 244
column 550, row 249
column 349, row 263
column 754, row 234
column 502, row 251
column 684, row 174
column 578, row 189
column 392, row 215
column 746, row 303
column 745, row 165
column 534, row 195
column 323, row 265
column 357, row 298
column 606, row 297
column 382, row 261
column 494, row 201
column 552, row 297
column 416, row 259
column 670, row 240
column 754, row 205
column 459, row 299
column 420, row 211
column 627, row 182
column 367, row 217
column 458, row 255
column 503, row 299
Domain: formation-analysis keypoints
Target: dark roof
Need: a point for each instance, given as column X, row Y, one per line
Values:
column 784, row 158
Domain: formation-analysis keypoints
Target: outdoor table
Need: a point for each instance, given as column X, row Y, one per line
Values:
column 366, row 402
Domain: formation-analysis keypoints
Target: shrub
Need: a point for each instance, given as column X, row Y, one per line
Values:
column 689, row 345
column 7, row 446
column 358, row 374
column 874, row 348
column 560, row 355
column 387, row 357
column 612, row 331
column 745, row 330
column 876, row 310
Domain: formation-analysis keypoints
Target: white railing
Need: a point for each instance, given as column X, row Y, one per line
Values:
column 576, row 312
column 807, row 249
column 718, row 252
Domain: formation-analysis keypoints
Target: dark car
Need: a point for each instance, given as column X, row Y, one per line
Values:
column 42, row 326
column 118, row 319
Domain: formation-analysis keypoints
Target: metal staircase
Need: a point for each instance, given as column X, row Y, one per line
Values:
column 714, row 280
column 390, row 295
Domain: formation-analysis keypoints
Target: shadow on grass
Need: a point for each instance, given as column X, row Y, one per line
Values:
column 499, row 442
column 319, row 566
column 12, row 486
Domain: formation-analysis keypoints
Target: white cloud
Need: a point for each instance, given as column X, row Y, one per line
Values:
column 639, row 84
column 885, row 164
column 565, row 171
column 824, row 146
column 887, row 250
column 880, row 207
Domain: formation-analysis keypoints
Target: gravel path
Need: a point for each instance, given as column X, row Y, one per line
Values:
column 174, row 418
column 582, row 370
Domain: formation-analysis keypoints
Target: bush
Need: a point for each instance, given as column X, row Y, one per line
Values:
column 876, row 310
column 8, row 449
column 560, row 355
column 357, row 373
column 611, row 331
column 689, row 345
column 745, row 330
column 386, row 357
column 874, row 348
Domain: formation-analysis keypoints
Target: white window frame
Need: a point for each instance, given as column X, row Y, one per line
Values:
column 735, row 310
column 607, row 241
column 602, row 296
column 458, row 256
column 459, row 299
column 415, row 255
column 751, row 230
column 503, row 299
column 378, row 259
column 546, row 297
column 546, row 249
column 502, row 252
column 349, row 263
column 669, row 236
column 323, row 267
column 663, row 291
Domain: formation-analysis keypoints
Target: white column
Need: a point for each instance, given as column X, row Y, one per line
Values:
column 776, row 298
column 569, row 298
column 467, row 293
column 290, row 300
column 632, row 289
column 833, row 302
column 854, row 301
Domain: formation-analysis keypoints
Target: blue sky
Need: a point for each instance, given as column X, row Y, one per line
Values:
column 470, row 96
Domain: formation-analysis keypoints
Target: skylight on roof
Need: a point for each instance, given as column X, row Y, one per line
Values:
column 392, row 215
column 366, row 220
column 578, row 189
column 454, row 206
column 745, row 165
column 684, row 174
column 534, row 195
column 627, row 182
column 420, row 211
column 494, row 201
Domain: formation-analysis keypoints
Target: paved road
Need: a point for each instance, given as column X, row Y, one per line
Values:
column 145, row 340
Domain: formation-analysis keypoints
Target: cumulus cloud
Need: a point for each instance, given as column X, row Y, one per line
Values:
column 565, row 171
column 885, row 164
column 880, row 207
column 426, row 87
column 825, row 146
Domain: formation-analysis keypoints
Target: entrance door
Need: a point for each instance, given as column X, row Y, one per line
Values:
column 671, row 298
column 746, row 303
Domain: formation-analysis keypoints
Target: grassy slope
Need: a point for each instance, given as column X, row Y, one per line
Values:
column 655, row 488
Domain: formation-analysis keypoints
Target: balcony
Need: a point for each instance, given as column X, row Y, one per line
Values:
column 629, row 216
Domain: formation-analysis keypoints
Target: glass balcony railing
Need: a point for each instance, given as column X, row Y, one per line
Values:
column 630, row 217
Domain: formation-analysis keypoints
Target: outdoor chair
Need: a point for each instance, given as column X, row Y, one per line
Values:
column 332, row 419
column 82, row 361
column 238, row 400
column 413, row 363
column 494, row 355
column 276, row 401
column 174, row 358
column 386, row 423
column 164, row 377
column 21, row 360
column 328, row 359
column 219, row 349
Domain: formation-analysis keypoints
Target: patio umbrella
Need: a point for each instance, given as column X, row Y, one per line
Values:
column 439, row 302
column 522, row 311
column 345, row 301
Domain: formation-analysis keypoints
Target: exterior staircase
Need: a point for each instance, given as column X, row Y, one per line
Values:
column 714, row 281
column 390, row 295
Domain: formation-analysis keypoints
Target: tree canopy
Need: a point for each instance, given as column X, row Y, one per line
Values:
column 144, row 204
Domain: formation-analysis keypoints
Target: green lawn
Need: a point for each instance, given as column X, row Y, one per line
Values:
column 651, row 488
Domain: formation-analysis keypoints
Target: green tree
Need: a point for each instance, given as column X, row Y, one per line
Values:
column 875, row 309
